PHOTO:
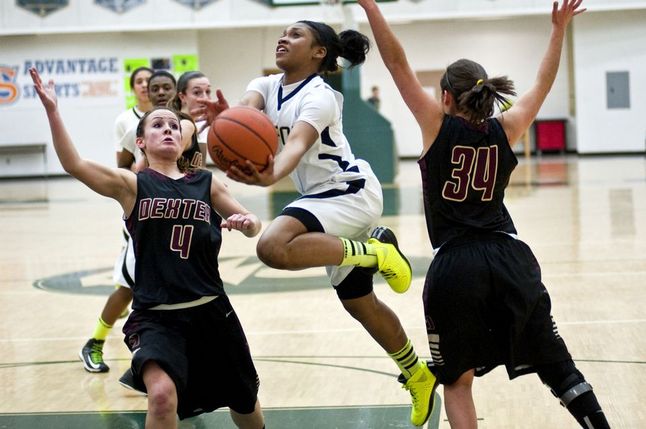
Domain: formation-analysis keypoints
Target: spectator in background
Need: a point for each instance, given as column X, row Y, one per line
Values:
column 374, row 99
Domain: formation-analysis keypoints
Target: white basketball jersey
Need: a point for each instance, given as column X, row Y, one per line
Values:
column 125, row 132
column 329, row 163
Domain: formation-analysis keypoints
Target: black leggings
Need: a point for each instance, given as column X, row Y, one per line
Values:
column 568, row 384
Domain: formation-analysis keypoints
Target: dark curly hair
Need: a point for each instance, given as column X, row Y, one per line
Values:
column 349, row 44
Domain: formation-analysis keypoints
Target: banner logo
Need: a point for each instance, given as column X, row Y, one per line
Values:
column 9, row 91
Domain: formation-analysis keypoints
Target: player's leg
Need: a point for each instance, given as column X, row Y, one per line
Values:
column 116, row 303
column 162, row 397
column 458, row 402
column 91, row 354
column 540, row 335
column 359, row 300
column 384, row 326
column 568, row 384
column 159, row 362
column 253, row 420
column 457, row 301
column 314, row 232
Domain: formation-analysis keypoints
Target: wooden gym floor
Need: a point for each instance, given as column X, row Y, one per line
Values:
column 584, row 217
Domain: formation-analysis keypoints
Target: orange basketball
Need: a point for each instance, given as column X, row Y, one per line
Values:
column 241, row 133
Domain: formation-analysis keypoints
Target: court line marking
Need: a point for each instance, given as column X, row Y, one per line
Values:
column 305, row 360
column 318, row 331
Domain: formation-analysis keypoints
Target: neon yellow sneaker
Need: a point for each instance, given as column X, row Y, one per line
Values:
column 422, row 386
column 393, row 265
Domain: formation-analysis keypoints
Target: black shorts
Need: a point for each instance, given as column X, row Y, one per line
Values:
column 485, row 305
column 204, row 351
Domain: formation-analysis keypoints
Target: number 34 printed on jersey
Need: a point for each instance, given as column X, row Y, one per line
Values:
column 475, row 169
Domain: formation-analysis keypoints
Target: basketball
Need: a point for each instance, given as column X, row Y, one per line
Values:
column 241, row 133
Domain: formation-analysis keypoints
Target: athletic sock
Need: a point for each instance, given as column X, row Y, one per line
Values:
column 101, row 330
column 407, row 360
column 358, row 253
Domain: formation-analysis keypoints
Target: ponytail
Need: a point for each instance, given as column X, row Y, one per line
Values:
column 349, row 44
column 355, row 47
column 478, row 103
column 475, row 93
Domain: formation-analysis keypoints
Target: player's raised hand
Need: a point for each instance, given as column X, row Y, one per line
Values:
column 46, row 93
column 561, row 16
column 207, row 109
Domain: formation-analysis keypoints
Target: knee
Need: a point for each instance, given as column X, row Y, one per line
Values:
column 362, row 308
column 272, row 254
column 565, row 381
column 463, row 383
column 561, row 377
column 574, row 392
column 162, row 399
column 460, row 391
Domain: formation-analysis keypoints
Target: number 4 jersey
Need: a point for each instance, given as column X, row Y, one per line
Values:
column 177, row 238
column 464, row 176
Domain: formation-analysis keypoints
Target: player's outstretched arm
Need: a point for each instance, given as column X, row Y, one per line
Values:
column 234, row 215
column 427, row 111
column 116, row 183
column 521, row 115
column 301, row 138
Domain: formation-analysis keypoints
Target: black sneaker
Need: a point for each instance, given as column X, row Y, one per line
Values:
column 92, row 356
column 127, row 380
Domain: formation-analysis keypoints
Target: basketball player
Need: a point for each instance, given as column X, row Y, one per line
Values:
column 341, row 198
column 191, row 86
column 484, row 301
column 160, row 89
column 162, row 93
column 189, row 350
column 91, row 354
column 127, row 152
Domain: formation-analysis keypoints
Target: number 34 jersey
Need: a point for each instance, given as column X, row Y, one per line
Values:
column 464, row 176
column 177, row 238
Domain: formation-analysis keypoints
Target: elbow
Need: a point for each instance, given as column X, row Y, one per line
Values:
column 72, row 168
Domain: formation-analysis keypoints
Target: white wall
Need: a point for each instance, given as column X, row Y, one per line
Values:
column 611, row 41
column 231, row 58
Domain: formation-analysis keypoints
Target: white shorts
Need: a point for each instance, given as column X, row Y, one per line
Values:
column 123, row 273
column 350, row 215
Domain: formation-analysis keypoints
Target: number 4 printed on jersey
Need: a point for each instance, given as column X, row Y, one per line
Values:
column 180, row 240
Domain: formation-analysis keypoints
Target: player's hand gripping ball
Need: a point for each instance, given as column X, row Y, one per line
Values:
column 242, row 133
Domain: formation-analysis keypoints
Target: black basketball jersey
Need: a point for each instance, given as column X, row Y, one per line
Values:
column 464, row 176
column 193, row 154
column 176, row 236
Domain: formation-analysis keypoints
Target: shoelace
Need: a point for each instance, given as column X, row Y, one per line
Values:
column 413, row 394
column 388, row 274
column 97, row 353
